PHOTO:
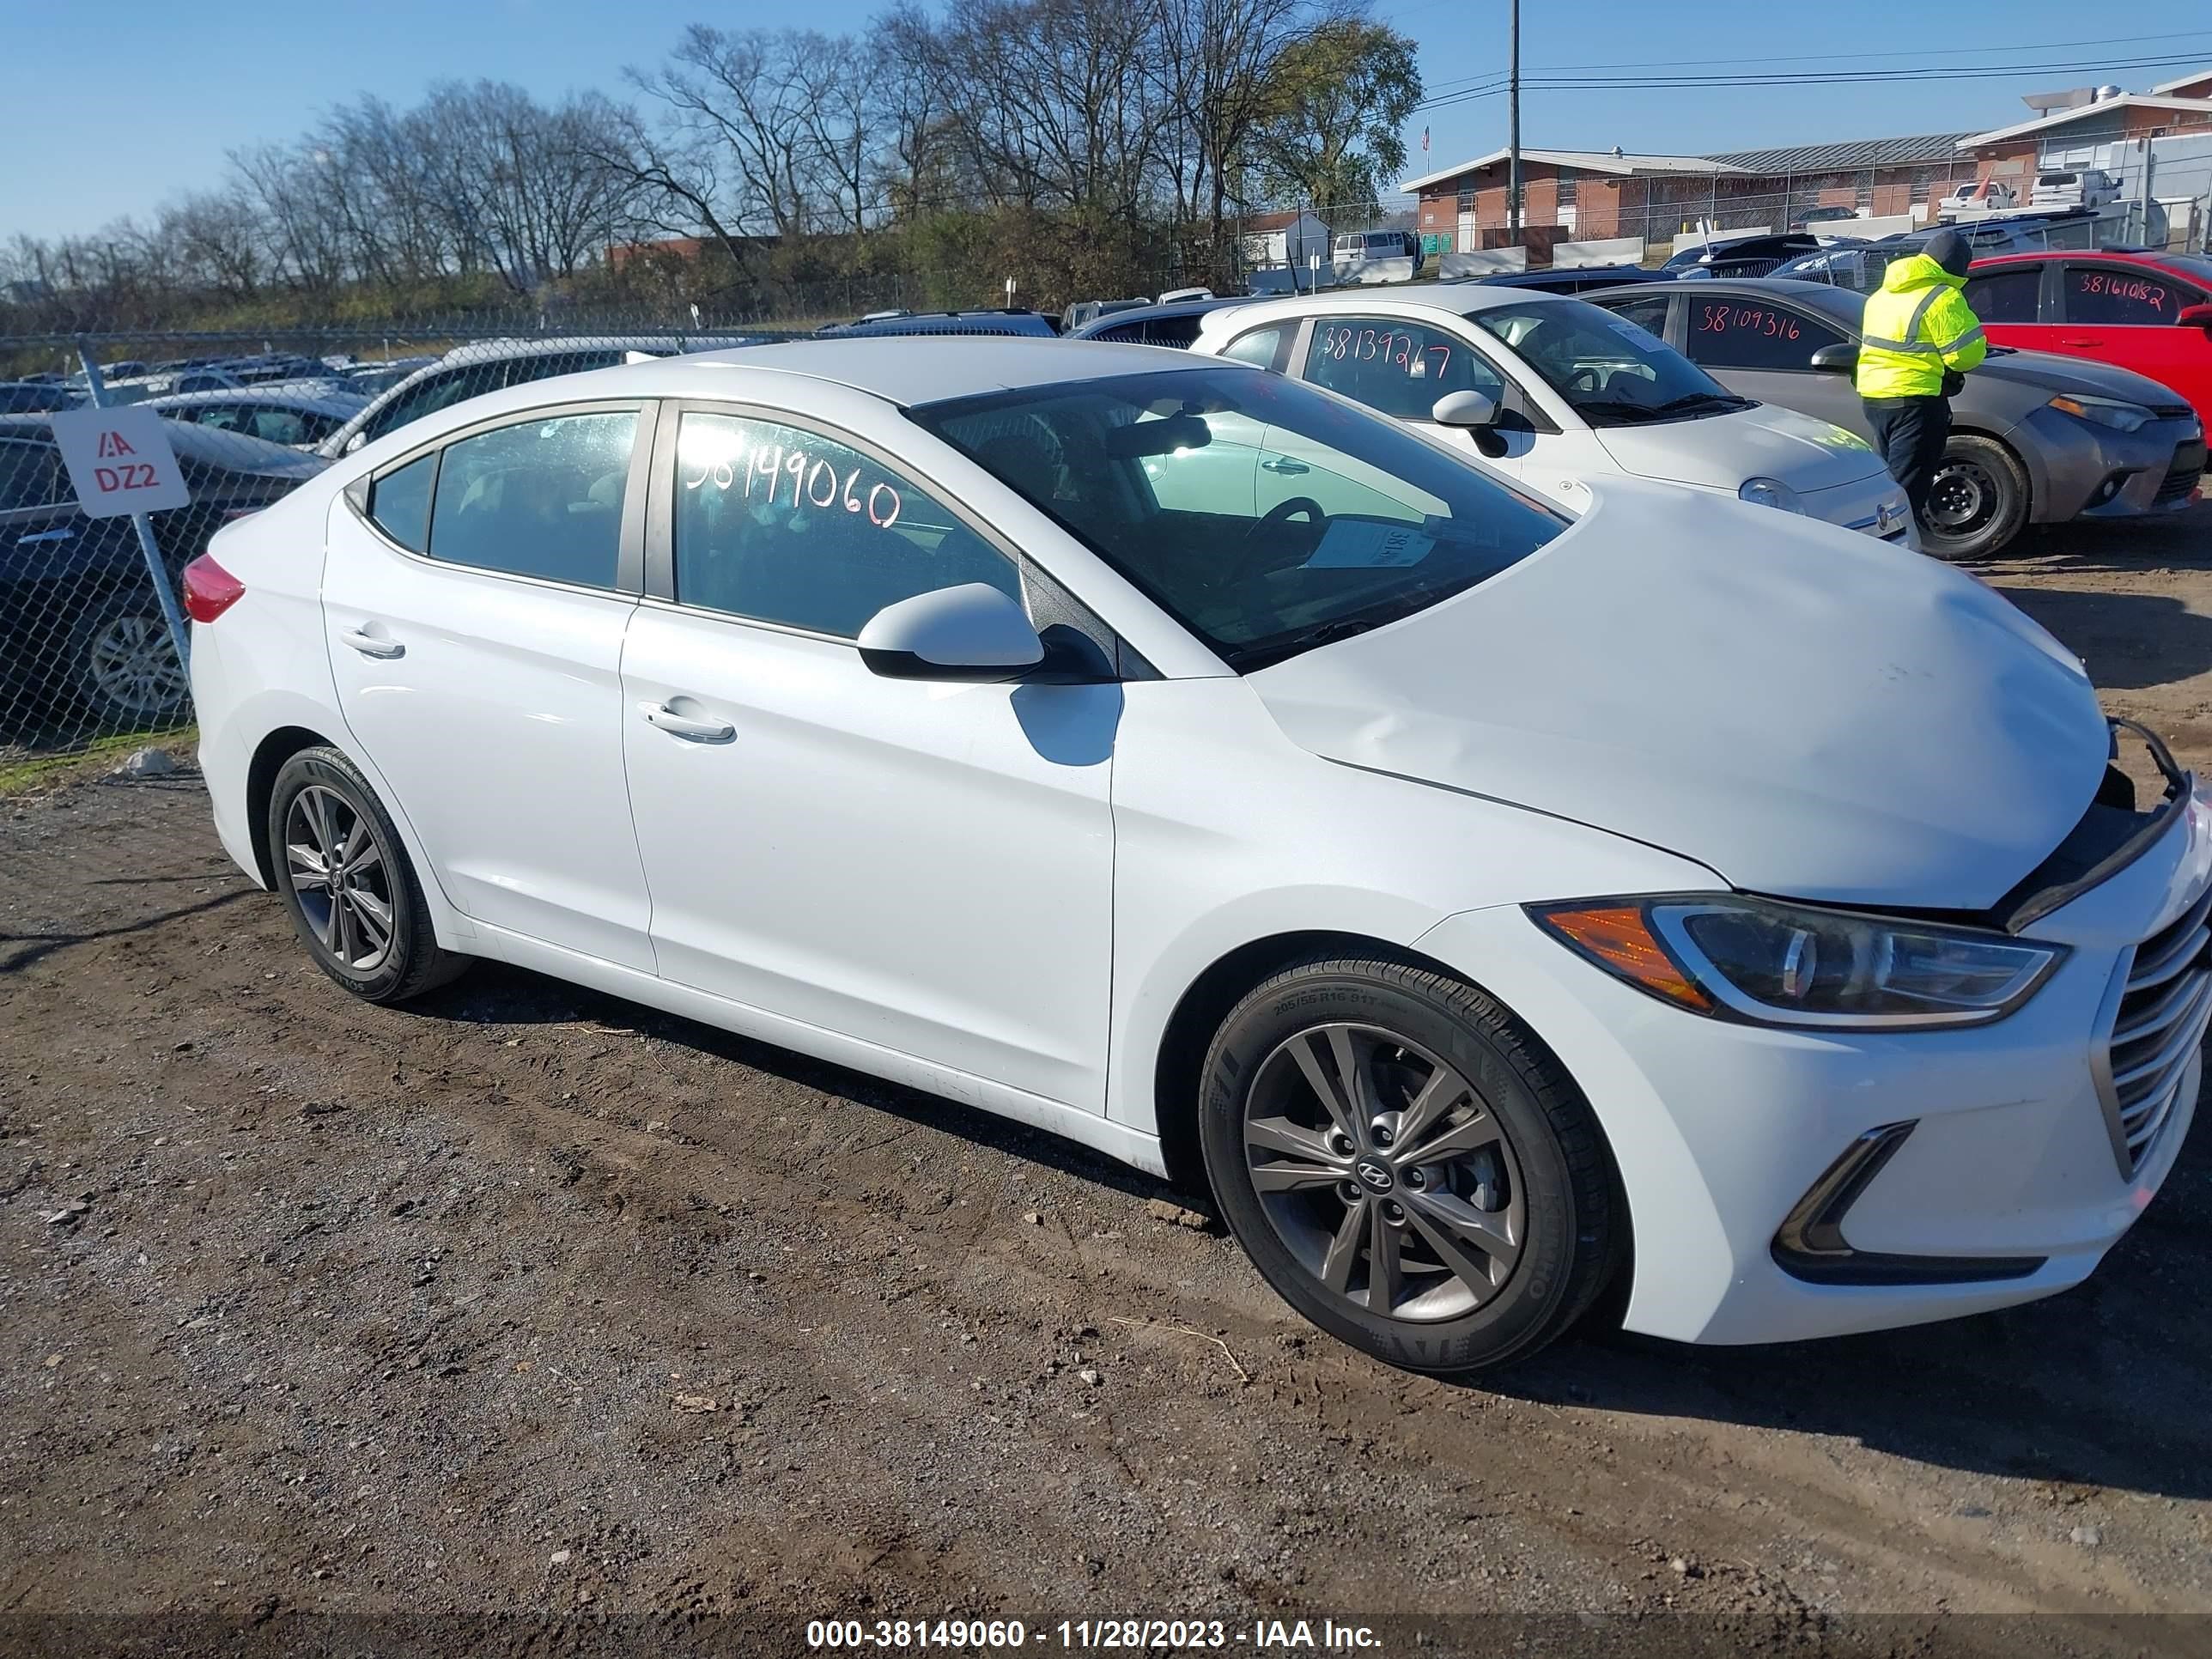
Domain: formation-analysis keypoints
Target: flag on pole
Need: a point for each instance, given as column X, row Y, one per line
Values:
column 1425, row 141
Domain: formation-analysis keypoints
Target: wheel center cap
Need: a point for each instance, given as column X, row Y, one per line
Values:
column 1376, row 1176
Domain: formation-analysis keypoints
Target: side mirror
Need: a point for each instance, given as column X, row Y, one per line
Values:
column 973, row 632
column 2195, row 316
column 1837, row 359
column 1469, row 409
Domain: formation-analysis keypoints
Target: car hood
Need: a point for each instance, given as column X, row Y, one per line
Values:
column 1808, row 712
column 2049, row 372
column 1722, row 451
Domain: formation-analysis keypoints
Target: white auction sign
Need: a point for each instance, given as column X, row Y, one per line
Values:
column 119, row 460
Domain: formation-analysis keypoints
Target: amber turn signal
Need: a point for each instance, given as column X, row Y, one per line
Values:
column 1618, row 937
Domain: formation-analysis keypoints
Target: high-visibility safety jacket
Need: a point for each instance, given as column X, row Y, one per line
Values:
column 1918, row 325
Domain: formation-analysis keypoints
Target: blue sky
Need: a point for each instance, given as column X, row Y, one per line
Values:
column 190, row 82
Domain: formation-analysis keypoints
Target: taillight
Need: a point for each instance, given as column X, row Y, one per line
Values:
column 209, row 590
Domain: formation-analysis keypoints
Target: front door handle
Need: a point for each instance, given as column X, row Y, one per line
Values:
column 32, row 540
column 372, row 645
column 2082, row 342
column 1286, row 466
column 686, row 726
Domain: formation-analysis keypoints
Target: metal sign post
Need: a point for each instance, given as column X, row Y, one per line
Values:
column 166, row 595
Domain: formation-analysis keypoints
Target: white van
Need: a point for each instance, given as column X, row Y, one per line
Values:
column 1358, row 245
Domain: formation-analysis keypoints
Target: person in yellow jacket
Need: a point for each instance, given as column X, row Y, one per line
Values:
column 1919, row 338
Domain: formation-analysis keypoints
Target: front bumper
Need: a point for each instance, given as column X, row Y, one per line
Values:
column 1729, row 1138
column 1874, row 505
column 2086, row 472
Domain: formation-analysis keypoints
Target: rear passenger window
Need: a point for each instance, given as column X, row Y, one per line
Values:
column 543, row 499
column 399, row 503
column 2119, row 297
column 2005, row 296
column 1733, row 332
column 780, row 525
column 1647, row 314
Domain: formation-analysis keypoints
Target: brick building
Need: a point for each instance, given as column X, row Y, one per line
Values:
column 2084, row 128
column 1593, row 194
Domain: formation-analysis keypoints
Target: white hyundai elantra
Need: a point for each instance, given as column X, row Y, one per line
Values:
column 1488, row 901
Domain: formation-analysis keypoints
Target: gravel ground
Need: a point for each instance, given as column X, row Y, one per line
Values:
column 525, row 1301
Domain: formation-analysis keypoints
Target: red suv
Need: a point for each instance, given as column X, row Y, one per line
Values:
column 2151, row 312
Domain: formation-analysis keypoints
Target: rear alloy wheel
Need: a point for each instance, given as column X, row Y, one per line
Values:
column 127, row 673
column 1977, row 502
column 1405, row 1165
column 344, row 876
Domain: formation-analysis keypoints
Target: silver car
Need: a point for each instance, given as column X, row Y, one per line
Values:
column 2036, row 439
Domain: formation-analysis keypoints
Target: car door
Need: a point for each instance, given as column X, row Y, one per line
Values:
column 2128, row 315
column 925, row 867
column 476, row 595
column 1758, row 348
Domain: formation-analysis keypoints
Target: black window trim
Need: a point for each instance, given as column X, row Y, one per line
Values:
column 1044, row 597
column 630, row 557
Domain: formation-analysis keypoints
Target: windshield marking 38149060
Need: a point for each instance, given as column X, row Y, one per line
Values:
column 1264, row 516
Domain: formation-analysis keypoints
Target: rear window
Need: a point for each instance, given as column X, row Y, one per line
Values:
column 2005, row 296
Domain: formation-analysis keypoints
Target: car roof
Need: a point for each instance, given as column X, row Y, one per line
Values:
column 1172, row 308
column 1461, row 299
column 316, row 395
column 905, row 370
column 1843, row 305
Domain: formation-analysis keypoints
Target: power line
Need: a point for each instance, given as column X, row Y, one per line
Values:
column 1838, row 77
column 1847, row 56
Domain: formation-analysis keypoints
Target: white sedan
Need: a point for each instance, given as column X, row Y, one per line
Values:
column 1556, row 392
column 1466, row 890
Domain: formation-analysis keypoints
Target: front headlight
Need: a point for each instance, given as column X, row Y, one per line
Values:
column 1770, row 492
column 1785, row 964
column 2104, row 412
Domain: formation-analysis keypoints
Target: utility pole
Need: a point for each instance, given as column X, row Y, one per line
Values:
column 1513, row 132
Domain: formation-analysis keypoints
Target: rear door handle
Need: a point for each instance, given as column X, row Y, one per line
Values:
column 37, row 537
column 1286, row 466
column 686, row 726
column 371, row 645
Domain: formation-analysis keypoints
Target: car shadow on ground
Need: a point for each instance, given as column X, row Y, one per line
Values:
column 2103, row 1385
column 495, row 993
column 2127, row 641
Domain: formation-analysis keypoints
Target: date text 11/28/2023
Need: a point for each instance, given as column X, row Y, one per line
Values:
column 1085, row 1634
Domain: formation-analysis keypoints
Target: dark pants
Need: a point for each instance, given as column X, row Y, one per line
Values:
column 1910, row 433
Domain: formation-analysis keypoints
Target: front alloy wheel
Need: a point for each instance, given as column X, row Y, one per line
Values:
column 1407, row 1164
column 1384, row 1173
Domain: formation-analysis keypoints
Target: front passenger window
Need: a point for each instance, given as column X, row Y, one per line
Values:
column 1396, row 367
column 542, row 499
column 780, row 525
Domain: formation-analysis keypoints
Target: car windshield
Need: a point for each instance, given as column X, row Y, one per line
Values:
column 1266, row 517
column 1612, row 370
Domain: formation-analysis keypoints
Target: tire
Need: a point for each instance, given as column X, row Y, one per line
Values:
column 381, row 947
column 122, row 669
column 1531, row 1177
column 1978, row 501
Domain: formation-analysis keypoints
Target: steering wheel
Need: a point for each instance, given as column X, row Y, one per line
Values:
column 1254, row 549
column 1584, row 378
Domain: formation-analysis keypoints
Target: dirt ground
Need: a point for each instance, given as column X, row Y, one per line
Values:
column 526, row 1301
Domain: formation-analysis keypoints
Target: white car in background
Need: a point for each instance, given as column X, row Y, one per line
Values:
column 299, row 414
column 1555, row 392
column 1979, row 195
column 1489, row 902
